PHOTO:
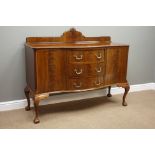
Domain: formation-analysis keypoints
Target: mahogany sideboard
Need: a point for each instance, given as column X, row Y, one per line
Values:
column 73, row 63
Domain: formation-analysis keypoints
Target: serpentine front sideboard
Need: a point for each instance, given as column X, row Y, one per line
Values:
column 73, row 63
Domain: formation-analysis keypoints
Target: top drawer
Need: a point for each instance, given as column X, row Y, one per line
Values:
column 87, row 56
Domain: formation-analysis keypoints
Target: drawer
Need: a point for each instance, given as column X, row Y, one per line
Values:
column 95, row 55
column 77, row 70
column 95, row 69
column 87, row 83
column 95, row 82
column 86, row 70
column 86, row 56
column 76, row 84
column 76, row 56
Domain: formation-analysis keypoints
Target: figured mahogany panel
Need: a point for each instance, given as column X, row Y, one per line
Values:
column 57, row 69
column 122, row 64
column 111, row 66
column 42, row 71
column 50, row 68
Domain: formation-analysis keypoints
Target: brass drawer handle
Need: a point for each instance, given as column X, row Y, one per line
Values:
column 78, row 72
column 97, row 83
column 98, row 56
column 99, row 70
column 78, row 57
column 77, row 85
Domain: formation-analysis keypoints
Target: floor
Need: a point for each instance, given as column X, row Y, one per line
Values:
column 96, row 113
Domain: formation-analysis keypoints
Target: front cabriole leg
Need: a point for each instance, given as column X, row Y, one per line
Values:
column 27, row 94
column 37, row 98
column 127, row 88
column 109, row 92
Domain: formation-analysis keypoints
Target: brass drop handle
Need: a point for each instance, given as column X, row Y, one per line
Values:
column 97, row 83
column 77, row 85
column 98, row 70
column 80, row 57
column 78, row 72
column 98, row 56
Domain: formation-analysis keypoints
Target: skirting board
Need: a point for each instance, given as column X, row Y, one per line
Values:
column 19, row 104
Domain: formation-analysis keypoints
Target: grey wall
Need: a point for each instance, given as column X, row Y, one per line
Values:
column 154, row 70
column 154, row 58
column 154, row 74
column 12, row 63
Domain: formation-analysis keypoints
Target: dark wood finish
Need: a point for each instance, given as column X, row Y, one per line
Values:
column 111, row 66
column 68, row 36
column 30, row 67
column 27, row 94
column 109, row 92
column 73, row 63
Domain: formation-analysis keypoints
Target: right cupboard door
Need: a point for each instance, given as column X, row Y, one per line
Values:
column 116, row 65
column 122, row 64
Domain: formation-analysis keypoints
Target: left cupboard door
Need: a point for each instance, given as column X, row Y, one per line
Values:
column 50, row 70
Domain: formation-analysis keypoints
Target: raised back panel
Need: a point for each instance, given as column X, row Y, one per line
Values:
column 69, row 36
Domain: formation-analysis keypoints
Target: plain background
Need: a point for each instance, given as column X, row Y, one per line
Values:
column 12, row 57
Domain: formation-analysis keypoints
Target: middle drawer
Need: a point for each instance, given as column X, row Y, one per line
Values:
column 86, row 70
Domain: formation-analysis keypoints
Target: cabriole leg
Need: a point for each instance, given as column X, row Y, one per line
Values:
column 37, row 98
column 127, row 88
column 109, row 92
column 27, row 94
column 36, row 109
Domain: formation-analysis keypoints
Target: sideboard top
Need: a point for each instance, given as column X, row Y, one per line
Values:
column 70, row 39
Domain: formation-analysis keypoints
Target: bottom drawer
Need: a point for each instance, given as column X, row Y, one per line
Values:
column 88, row 83
column 76, row 84
column 95, row 82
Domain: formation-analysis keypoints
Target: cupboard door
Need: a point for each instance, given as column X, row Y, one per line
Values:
column 41, row 63
column 56, row 69
column 111, row 66
column 50, row 68
column 122, row 64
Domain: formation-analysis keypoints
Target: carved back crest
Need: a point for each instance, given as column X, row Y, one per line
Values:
column 72, row 35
